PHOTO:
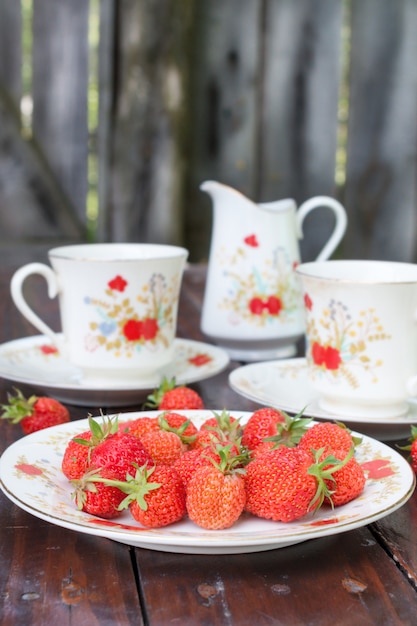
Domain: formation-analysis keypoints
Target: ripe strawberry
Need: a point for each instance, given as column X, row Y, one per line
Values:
column 169, row 397
column 346, row 483
column 34, row 413
column 178, row 424
column 93, row 496
column 261, row 424
column 154, row 504
column 76, row 456
column 222, row 428
column 188, row 463
column 120, row 452
column 163, row 446
column 278, row 485
column 216, row 494
column 412, row 448
column 140, row 426
column 77, row 453
column 332, row 436
column 225, row 423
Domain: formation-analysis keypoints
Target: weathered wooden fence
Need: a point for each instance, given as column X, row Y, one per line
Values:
column 269, row 96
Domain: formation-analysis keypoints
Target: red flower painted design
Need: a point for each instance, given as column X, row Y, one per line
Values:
column 200, row 359
column 48, row 349
column 256, row 306
column 378, row 468
column 133, row 330
column 326, row 355
column 30, row 470
column 118, row 283
column 251, row 240
column 308, row 303
column 150, row 328
column 274, row 305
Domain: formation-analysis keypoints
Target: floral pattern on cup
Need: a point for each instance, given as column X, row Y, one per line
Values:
column 259, row 293
column 119, row 327
column 338, row 344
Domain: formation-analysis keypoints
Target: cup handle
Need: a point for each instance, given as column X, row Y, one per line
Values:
column 16, row 287
column 340, row 226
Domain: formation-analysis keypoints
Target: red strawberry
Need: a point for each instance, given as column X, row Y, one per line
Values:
column 97, row 498
column 169, row 397
column 188, row 463
column 140, row 426
column 346, row 483
column 412, row 448
column 155, row 496
column 216, row 493
column 120, row 452
column 261, row 424
column 330, row 435
column 34, row 413
column 222, row 428
column 77, row 453
column 278, row 485
column 225, row 423
column 165, row 447
column 179, row 424
column 76, row 457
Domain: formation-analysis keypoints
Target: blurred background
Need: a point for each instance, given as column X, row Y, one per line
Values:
column 113, row 112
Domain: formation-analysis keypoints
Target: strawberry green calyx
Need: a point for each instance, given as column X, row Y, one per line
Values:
column 99, row 432
column 322, row 470
column 227, row 425
column 290, row 431
column 154, row 399
column 136, row 487
column 229, row 462
column 18, row 407
column 178, row 430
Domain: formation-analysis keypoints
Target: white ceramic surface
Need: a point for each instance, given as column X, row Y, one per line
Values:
column 252, row 303
column 31, row 477
column 361, row 329
column 35, row 361
column 118, row 305
column 285, row 384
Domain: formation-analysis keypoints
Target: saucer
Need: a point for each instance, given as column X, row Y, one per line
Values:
column 285, row 385
column 35, row 361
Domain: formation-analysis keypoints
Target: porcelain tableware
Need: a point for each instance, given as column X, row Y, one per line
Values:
column 361, row 335
column 118, row 305
column 252, row 303
column 285, row 384
column 31, row 476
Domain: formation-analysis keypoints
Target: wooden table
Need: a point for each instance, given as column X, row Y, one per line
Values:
column 50, row 575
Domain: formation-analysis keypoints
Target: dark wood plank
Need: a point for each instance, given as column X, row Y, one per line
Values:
column 299, row 117
column 50, row 575
column 60, row 79
column 346, row 580
column 224, row 116
column 10, row 48
column 380, row 193
column 149, row 120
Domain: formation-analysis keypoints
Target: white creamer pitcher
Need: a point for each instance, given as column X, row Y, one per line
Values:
column 252, row 303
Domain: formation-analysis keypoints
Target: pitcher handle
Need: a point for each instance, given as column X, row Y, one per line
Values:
column 16, row 290
column 340, row 226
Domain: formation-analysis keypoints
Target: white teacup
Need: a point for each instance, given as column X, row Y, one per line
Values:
column 118, row 305
column 361, row 335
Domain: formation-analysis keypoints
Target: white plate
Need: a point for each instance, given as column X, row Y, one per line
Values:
column 30, row 475
column 30, row 361
column 285, row 384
